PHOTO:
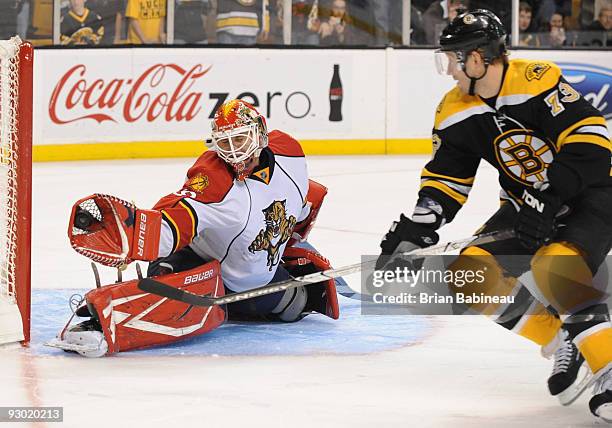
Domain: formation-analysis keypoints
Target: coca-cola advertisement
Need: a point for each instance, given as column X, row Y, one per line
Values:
column 137, row 98
column 148, row 95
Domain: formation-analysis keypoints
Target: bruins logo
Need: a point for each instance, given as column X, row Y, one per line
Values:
column 524, row 156
column 278, row 228
column 198, row 183
column 536, row 70
column 469, row 19
column 84, row 36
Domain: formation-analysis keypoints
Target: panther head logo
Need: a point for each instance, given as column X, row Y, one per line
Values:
column 277, row 231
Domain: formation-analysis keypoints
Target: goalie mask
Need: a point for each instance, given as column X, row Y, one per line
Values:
column 238, row 135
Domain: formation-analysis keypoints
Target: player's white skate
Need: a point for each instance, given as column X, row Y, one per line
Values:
column 601, row 402
column 571, row 375
column 86, row 338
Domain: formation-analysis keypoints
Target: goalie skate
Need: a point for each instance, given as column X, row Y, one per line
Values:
column 84, row 338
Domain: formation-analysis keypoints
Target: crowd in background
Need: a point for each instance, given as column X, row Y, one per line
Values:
column 542, row 23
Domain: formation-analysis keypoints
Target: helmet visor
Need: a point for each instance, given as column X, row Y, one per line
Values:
column 446, row 62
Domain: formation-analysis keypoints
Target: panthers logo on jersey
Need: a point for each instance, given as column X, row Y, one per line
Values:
column 278, row 228
column 198, row 183
column 524, row 156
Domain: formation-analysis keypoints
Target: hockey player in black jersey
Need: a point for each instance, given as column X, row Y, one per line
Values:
column 552, row 151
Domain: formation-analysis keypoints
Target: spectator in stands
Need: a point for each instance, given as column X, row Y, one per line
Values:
column 342, row 28
column 526, row 35
column 306, row 23
column 547, row 8
column 81, row 26
column 190, row 21
column 556, row 35
column 587, row 13
column 112, row 12
column 8, row 18
column 275, row 33
column 601, row 29
column 240, row 22
column 438, row 15
column 333, row 30
column 146, row 21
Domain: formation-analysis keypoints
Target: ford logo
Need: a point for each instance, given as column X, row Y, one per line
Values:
column 593, row 82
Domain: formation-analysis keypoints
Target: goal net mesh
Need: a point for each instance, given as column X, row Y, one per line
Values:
column 9, row 92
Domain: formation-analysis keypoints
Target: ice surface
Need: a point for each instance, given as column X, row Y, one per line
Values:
column 357, row 372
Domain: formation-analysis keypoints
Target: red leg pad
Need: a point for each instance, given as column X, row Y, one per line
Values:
column 133, row 319
column 296, row 255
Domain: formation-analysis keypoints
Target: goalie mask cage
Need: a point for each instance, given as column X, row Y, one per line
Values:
column 16, row 62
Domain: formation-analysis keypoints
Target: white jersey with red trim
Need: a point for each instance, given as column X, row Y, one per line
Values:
column 243, row 224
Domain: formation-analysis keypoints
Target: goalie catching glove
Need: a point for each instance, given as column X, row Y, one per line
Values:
column 113, row 232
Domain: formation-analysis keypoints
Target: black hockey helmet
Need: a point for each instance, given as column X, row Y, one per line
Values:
column 472, row 30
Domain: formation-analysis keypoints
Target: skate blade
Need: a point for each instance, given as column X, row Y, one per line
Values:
column 60, row 344
column 571, row 394
column 605, row 412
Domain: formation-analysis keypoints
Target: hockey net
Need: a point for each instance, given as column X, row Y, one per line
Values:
column 16, row 60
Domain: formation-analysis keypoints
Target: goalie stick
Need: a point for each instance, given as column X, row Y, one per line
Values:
column 150, row 285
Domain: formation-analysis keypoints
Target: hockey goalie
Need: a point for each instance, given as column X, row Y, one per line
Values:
column 239, row 222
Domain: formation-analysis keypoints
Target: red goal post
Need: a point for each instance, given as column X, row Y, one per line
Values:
column 16, row 68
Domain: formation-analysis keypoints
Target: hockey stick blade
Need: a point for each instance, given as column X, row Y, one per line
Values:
column 152, row 286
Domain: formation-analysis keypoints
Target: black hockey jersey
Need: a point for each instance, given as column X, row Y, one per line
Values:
column 538, row 128
column 81, row 30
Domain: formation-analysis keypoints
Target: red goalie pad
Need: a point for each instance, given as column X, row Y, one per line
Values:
column 302, row 261
column 132, row 319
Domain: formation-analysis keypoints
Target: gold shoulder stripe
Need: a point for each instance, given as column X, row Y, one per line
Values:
column 193, row 220
column 175, row 228
column 587, row 138
column 592, row 120
column 426, row 173
column 455, row 102
column 461, row 199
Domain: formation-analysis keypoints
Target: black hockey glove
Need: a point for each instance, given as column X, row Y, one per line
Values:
column 183, row 259
column 406, row 231
column 535, row 224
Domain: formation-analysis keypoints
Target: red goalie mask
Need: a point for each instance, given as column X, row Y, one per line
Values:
column 238, row 135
